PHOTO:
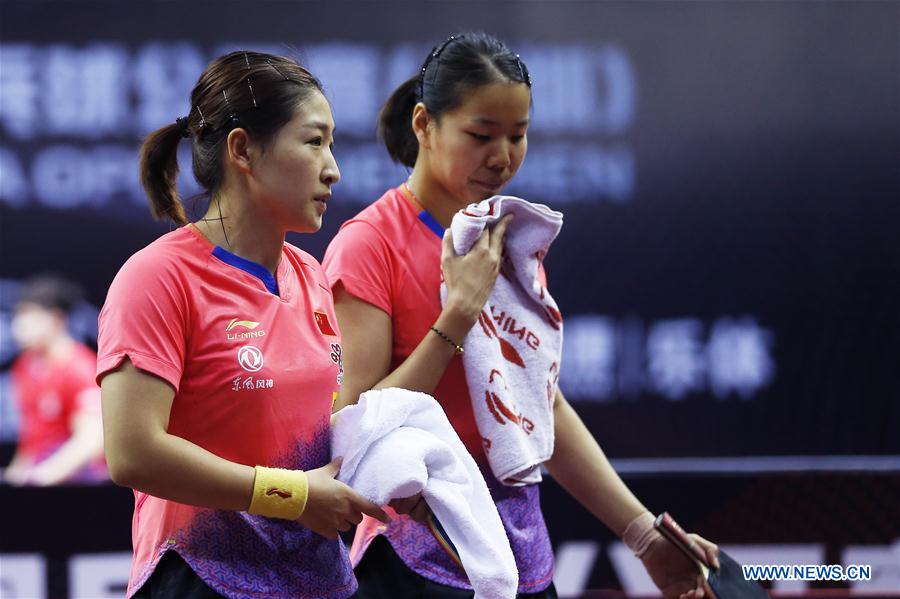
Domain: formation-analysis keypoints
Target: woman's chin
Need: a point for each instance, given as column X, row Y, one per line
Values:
column 310, row 226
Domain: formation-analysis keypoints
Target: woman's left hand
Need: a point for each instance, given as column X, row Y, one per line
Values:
column 676, row 575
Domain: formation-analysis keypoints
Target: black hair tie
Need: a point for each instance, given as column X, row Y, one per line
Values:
column 182, row 123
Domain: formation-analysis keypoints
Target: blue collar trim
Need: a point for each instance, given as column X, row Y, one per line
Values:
column 248, row 266
column 432, row 224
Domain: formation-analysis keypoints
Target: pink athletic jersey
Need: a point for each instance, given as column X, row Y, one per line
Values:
column 389, row 255
column 255, row 362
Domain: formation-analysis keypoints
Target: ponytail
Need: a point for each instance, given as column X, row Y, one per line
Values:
column 395, row 123
column 159, row 169
column 223, row 99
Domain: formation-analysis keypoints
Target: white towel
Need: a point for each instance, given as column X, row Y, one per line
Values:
column 396, row 443
column 512, row 354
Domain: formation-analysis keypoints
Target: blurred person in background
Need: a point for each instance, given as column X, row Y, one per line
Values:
column 60, row 433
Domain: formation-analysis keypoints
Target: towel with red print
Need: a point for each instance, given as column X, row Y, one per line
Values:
column 512, row 354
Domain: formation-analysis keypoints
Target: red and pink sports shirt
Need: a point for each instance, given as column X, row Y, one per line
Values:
column 255, row 362
column 389, row 255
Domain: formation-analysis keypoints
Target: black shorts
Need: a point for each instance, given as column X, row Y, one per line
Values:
column 383, row 575
column 173, row 578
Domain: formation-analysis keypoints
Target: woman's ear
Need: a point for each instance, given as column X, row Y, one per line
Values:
column 421, row 124
column 238, row 150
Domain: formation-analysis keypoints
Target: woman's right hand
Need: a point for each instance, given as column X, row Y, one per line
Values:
column 332, row 506
column 470, row 277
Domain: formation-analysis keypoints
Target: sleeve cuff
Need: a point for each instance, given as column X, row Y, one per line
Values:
column 150, row 364
column 364, row 291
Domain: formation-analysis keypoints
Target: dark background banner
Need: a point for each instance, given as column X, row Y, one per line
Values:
column 729, row 262
column 729, row 266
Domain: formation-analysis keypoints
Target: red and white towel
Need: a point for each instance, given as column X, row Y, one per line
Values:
column 512, row 354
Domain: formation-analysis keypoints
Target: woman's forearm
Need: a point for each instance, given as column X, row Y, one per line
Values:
column 581, row 467
column 173, row 468
column 367, row 343
column 141, row 454
column 425, row 366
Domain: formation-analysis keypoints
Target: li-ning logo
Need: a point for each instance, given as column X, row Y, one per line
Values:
column 250, row 333
column 279, row 492
column 506, row 348
column 500, row 411
column 247, row 324
column 250, row 358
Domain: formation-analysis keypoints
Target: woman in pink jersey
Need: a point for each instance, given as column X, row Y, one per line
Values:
column 219, row 355
column 460, row 124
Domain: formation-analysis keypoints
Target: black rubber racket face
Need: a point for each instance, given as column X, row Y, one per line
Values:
column 728, row 581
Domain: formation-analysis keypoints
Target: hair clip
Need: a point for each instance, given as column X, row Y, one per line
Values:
column 235, row 122
column 202, row 118
column 523, row 71
column 277, row 70
column 252, row 96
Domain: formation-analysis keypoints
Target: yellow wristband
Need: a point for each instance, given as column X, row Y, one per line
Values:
column 279, row 493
